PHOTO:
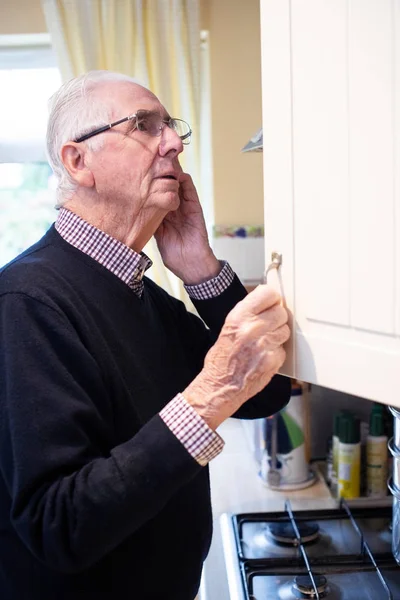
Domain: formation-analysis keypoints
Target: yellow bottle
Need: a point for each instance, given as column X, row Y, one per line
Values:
column 377, row 454
column 335, row 452
column 349, row 457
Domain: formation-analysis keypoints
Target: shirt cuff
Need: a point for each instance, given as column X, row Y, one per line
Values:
column 202, row 443
column 213, row 287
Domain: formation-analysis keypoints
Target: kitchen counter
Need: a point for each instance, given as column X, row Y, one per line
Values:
column 236, row 487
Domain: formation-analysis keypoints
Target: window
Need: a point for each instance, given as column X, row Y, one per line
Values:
column 28, row 77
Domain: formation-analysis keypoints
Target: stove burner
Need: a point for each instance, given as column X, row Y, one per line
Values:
column 283, row 533
column 303, row 586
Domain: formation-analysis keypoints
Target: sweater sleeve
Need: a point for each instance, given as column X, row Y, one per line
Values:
column 70, row 501
column 214, row 311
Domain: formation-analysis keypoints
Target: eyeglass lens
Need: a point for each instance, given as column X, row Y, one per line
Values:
column 151, row 123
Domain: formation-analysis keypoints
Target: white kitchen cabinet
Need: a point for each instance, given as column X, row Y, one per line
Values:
column 331, row 121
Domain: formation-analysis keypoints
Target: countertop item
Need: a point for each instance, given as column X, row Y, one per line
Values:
column 349, row 463
column 377, row 454
column 235, row 488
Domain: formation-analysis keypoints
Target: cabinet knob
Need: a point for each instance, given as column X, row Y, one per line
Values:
column 276, row 261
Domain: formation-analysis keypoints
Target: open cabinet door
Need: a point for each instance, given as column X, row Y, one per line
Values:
column 331, row 121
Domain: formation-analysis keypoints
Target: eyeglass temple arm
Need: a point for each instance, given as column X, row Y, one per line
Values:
column 104, row 128
column 92, row 133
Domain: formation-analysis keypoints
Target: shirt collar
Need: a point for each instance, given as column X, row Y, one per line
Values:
column 115, row 256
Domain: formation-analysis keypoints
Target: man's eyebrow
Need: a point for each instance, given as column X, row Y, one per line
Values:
column 163, row 113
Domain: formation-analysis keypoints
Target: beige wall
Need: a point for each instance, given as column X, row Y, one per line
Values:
column 21, row 16
column 236, row 97
column 236, row 109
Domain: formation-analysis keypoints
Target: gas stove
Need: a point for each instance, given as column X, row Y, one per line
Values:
column 337, row 554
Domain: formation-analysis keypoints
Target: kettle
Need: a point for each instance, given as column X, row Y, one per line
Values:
column 284, row 461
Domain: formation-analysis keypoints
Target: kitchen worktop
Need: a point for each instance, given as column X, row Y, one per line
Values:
column 236, row 487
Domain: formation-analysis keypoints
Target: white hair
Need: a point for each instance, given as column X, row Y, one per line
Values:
column 75, row 109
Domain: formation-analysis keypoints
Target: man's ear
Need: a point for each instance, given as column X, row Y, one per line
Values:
column 73, row 158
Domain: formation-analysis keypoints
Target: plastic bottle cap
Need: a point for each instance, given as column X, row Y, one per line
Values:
column 336, row 422
column 349, row 429
column 376, row 421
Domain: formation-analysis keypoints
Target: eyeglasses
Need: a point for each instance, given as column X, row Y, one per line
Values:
column 150, row 123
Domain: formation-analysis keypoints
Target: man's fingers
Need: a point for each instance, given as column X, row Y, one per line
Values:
column 278, row 337
column 259, row 300
column 274, row 317
column 280, row 357
column 185, row 180
column 187, row 188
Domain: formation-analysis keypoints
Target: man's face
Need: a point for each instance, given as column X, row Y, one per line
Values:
column 132, row 169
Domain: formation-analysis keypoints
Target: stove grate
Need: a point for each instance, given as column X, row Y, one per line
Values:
column 365, row 549
column 300, row 544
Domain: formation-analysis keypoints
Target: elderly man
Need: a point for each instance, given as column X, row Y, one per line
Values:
column 111, row 391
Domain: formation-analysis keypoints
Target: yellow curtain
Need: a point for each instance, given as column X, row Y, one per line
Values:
column 155, row 41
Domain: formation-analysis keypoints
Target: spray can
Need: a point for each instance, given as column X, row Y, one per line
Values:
column 335, row 452
column 377, row 457
column 349, row 457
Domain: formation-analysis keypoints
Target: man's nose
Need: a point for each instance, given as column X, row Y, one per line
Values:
column 170, row 142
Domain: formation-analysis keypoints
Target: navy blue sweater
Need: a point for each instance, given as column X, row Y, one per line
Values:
column 98, row 499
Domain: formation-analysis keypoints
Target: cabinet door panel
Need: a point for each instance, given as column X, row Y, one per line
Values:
column 371, row 165
column 320, row 161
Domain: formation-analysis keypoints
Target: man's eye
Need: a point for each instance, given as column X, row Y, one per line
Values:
column 150, row 124
column 143, row 124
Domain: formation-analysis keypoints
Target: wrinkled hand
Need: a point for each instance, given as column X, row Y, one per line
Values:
column 182, row 238
column 246, row 355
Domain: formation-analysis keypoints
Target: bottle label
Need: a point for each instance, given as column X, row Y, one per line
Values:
column 377, row 471
column 335, row 457
column 349, row 470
